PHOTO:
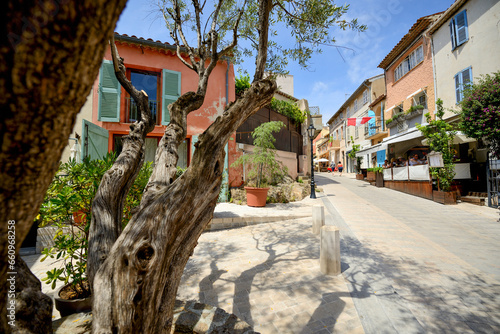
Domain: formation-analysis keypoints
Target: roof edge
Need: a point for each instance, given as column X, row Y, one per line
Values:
column 447, row 14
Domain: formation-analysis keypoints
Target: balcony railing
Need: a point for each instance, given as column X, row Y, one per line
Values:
column 132, row 112
column 375, row 128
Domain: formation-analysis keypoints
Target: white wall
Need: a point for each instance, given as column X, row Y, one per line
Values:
column 85, row 113
column 285, row 84
column 481, row 51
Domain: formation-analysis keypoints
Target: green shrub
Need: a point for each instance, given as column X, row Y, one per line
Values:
column 68, row 204
column 480, row 111
column 242, row 83
column 376, row 169
column 440, row 135
column 289, row 110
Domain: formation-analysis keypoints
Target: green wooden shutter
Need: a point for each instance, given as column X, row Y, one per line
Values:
column 194, row 139
column 109, row 94
column 171, row 92
column 94, row 141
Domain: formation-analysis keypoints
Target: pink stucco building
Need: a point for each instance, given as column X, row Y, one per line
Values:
column 409, row 83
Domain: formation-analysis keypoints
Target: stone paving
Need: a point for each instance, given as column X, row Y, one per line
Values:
column 268, row 275
column 409, row 265
column 416, row 266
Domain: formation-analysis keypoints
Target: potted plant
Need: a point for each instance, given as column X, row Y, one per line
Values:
column 379, row 177
column 67, row 209
column 414, row 111
column 263, row 169
column 440, row 136
column 352, row 155
column 373, row 173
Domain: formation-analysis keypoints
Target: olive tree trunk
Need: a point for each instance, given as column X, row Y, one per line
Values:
column 135, row 283
column 50, row 53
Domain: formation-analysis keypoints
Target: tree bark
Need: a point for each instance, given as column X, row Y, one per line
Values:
column 141, row 275
column 33, row 308
column 107, row 206
column 50, row 53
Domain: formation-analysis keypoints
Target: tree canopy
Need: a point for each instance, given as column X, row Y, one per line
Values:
column 480, row 111
column 311, row 25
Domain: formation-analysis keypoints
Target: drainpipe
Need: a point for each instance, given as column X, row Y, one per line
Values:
column 434, row 73
column 227, row 82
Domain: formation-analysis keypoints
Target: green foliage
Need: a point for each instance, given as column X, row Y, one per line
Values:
column 376, row 169
column 480, row 111
column 68, row 207
column 356, row 148
column 289, row 109
column 310, row 23
column 242, row 83
column 264, row 168
column 440, row 136
column 414, row 108
column 180, row 171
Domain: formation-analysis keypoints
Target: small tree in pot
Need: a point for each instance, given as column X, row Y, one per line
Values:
column 264, row 169
column 355, row 149
column 440, row 136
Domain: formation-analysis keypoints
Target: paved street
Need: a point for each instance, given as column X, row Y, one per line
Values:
column 409, row 266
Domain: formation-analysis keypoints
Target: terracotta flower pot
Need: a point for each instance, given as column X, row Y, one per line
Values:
column 256, row 196
column 79, row 216
column 67, row 306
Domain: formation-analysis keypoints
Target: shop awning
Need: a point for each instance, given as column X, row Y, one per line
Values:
column 412, row 134
column 459, row 138
column 371, row 149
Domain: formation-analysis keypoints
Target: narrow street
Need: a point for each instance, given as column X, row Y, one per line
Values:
column 412, row 265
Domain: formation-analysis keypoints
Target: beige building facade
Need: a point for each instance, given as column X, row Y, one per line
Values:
column 356, row 106
column 465, row 45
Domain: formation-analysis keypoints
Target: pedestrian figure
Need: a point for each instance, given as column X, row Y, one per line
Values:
column 340, row 168
column 332, row 168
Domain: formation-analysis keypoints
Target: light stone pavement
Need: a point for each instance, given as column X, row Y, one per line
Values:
column 416, row 266
column 409, row 265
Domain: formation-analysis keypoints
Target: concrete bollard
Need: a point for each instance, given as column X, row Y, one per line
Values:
column 318, row 218
column 329, row 255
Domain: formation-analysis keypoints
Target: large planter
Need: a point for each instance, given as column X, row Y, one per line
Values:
column 445, row 197
column 379, row 179
column 67, row 307
column 256, row 196
column 370, row 176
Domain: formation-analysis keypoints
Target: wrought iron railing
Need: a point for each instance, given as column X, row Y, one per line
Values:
column 374, row 128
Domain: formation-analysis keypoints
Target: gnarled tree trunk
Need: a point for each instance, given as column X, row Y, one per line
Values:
column 142, row 272
column 50, row 53
column 140, row 275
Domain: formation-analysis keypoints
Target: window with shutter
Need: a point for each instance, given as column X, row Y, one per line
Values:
column 171, row 92
column 109, row 94
column 458, row 29
column 409, row 63
column 461, row 80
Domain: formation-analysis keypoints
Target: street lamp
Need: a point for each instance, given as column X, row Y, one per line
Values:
column 311, row 131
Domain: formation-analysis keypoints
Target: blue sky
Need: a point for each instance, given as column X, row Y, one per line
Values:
column 330, row 77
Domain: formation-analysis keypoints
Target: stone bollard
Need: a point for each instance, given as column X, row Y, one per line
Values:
column 329, row 255
column 318, row 218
